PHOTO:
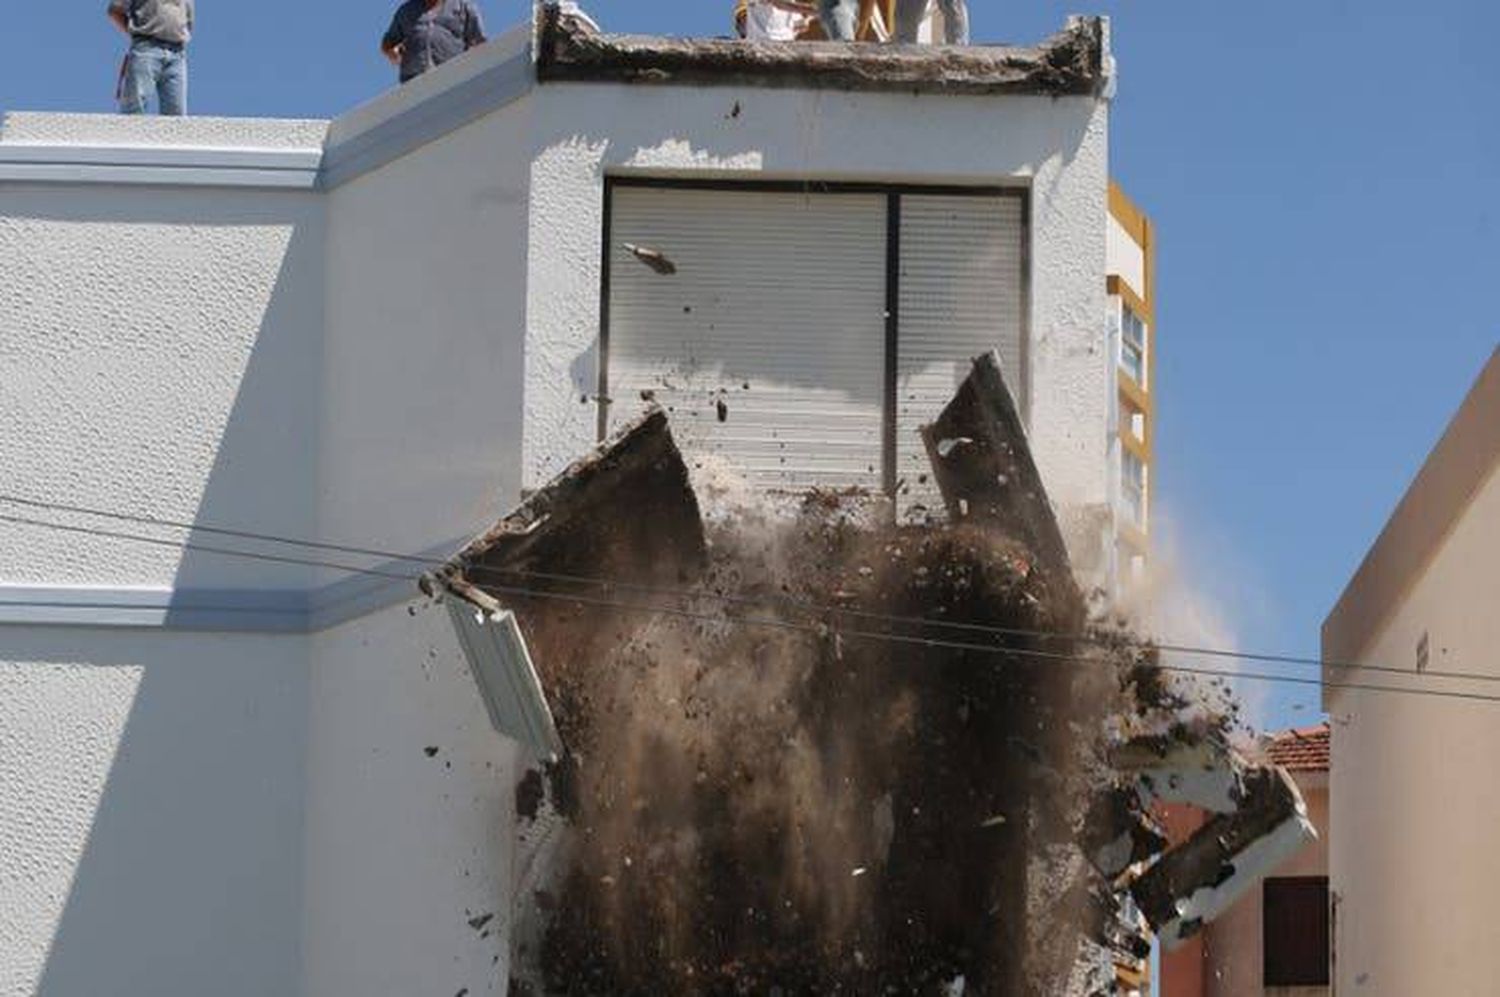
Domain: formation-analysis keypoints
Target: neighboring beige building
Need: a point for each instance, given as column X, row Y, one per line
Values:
column 1275, row 940
column 1415, row 795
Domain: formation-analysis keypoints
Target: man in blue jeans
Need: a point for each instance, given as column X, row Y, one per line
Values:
column 159, row 31
column 840, row 19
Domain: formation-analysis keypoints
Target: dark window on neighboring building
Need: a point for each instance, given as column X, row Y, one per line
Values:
column 1295, row 936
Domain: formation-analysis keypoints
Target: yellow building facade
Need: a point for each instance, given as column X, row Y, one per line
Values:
column 1131, row 285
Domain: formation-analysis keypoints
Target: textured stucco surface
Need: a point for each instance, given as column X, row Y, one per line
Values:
column 402, row 849
column 421, row 407
column 1058, row 147
column 151, row 798
column 193, row 132
column 1417, row 884
column 383, row 364
column 160, row 353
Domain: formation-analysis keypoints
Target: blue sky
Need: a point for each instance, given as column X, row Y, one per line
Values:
column 1323, row 176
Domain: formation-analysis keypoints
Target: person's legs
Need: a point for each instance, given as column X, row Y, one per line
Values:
column 909, row 17
column 171, row 84
column 840, row 18
column 139, row 81
column 956, row 21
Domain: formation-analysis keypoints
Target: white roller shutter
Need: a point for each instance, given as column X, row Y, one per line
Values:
column 774, row 317
column 962, row 260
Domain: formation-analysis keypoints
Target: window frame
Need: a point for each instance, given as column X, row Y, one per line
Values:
column 1287, row 972
column 1134, row 497
column 1130, row 347
column 893, row 193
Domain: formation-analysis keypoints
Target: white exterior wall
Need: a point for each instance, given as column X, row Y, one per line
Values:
column 193, row 330
column 1415, row 801
column 422, row 403
column 151, row 797
column 404, row 849
column 1058, row 146
column 160, row 350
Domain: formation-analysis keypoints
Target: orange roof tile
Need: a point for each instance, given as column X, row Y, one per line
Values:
column 1301, row 749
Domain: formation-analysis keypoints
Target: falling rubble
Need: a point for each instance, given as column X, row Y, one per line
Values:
column 812, row 750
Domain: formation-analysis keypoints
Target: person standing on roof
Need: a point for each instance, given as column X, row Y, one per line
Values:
column 425, row 34
column 156, row 64
column 770, row 20
column 841, row 18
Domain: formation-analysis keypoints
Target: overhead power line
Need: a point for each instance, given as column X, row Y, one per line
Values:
column 612, row 584
column 818, row 629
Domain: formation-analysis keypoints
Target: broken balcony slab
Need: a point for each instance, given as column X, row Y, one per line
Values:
column 572, row 532
column 984, row 468
column 1193, row 768
column 1198, row 880
column 1073, row 62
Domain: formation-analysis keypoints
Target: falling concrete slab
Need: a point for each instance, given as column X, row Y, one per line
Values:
column 628, row 498
column 1194, row 768
column 984, row 466
column 1198, row 880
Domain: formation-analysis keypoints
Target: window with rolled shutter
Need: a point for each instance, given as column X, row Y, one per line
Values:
column 1295, row 931
column 804, row 334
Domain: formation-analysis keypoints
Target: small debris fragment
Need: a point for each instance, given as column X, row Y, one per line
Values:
column 723, row 410
column 430, row 751
column 478, row 923
column 859, row 872
column 946, row 447
column 652, row 258
column 994, row 821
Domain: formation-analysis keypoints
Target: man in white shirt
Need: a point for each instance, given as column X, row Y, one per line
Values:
column 770, row 20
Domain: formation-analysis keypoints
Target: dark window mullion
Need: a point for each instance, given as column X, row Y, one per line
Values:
column 892, row 338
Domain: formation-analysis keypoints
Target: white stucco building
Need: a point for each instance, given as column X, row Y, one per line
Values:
column 262, row 775
column 1414, row 799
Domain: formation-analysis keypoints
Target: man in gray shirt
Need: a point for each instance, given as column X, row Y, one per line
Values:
column 427, row 33
column 159, row 31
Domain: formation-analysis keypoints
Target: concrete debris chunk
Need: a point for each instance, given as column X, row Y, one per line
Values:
column 1198, row 880
column 983, row 465
column 1197, row 768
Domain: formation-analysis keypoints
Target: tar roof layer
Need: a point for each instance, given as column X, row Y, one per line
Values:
column 1075, row 61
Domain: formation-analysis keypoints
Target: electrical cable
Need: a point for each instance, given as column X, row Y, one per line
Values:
column 1171, row 648
column 819, row 629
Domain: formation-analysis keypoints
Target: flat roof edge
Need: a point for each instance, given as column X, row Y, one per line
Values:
column 1073, row 62
column 1459, row 465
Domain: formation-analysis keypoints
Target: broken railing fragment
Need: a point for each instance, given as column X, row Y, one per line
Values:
column 508, row 683
column 1198, row 880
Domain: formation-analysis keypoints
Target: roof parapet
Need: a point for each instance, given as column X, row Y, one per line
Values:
column 1073, row 62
